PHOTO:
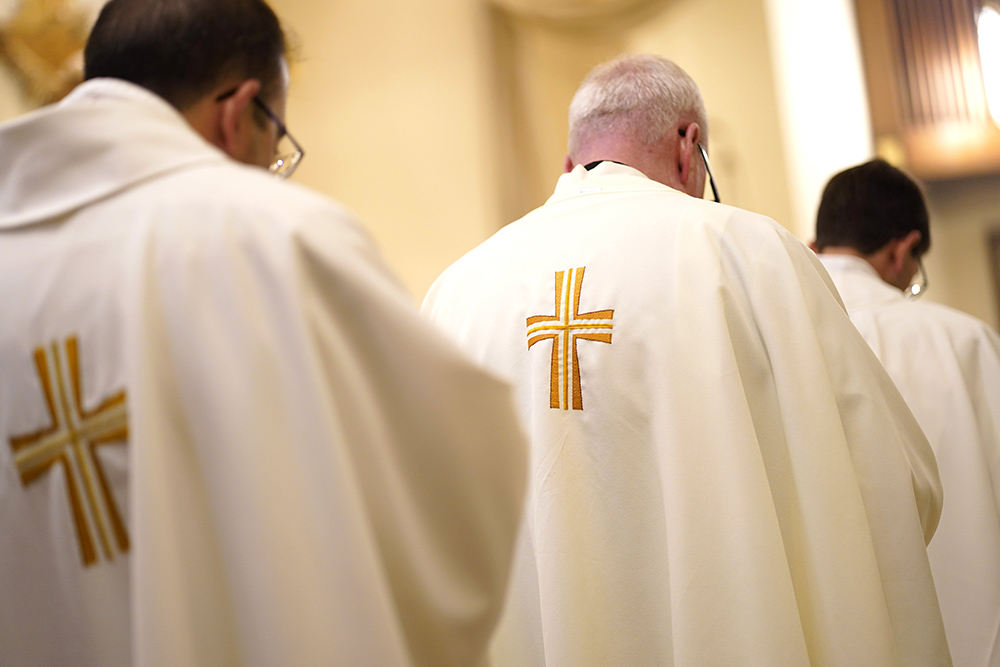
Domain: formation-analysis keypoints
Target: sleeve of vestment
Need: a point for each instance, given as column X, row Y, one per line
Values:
column 984, row 384
column 830, row 388
column 318, row 477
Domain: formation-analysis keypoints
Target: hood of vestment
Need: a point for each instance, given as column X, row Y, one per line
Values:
column 859, row 283
column 106, row 136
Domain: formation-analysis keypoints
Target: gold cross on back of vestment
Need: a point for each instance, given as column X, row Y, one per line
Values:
column 71, row 441
column 565, row 328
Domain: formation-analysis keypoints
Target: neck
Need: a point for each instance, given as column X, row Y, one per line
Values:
column 842, row 250
column 879, row 260
column 653, row 161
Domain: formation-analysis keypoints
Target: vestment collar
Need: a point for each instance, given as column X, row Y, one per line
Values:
column 607, row 176
column 866, row 285
column 107, row 135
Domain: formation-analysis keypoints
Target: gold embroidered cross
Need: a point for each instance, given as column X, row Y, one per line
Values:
column 564, row 329
column 71, row 441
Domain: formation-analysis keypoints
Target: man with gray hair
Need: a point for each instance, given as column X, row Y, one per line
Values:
column 624, row 111
column 721, row 471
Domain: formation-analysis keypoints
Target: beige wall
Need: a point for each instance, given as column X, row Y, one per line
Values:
column 536, row 67
column 962, row 213
column 389, row 101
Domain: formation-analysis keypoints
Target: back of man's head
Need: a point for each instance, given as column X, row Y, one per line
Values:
column 867, row 206
column 639, row 96
column 182, row 49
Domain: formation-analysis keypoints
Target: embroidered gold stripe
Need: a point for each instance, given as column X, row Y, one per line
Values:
column 554, row 366
column 48, row 449
column 121, row 534
column 48, row 446
column 81, row 461
column 22, row 441
column 565, row 351
column 561, row 327
column 87, row 551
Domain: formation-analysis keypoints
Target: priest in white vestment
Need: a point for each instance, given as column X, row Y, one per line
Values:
column 215, row 400
column 872, row 229
column 721, row 471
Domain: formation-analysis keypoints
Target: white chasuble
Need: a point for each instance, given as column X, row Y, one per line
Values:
column 947, row 367
column 226, row 435
column 721, row 471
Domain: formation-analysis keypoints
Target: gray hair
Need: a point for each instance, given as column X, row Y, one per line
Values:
column 642, row 96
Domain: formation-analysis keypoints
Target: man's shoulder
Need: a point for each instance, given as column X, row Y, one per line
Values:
column 730, row 224
column 240, row 186
column 739, row 223
column 229, row 195
column 954, row 322
column 212, row 214
column 626, row 228
column 198, row 220
column 629, row 217
column 926, row 325
column 651, row 212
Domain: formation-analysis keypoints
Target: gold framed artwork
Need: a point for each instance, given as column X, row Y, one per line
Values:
column 42, row 42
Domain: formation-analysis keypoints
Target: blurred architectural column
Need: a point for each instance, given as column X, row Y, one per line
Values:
column 818, row 70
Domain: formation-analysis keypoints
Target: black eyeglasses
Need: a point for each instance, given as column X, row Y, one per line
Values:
column 285, row 161
column 708, row 168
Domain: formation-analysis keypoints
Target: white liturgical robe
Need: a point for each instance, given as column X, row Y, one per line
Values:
column 216, row 400
column 721, row 471
column 947, row 366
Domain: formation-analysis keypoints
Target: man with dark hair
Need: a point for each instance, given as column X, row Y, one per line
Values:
column 215, row 401
column 875, row 210
column 872, row 232
column 722, row 473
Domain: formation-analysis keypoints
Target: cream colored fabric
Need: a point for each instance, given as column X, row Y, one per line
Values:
column 315, row 476
column 743, row 484
column 947, row 366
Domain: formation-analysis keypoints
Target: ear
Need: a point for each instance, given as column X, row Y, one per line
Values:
column 568, row 165
column 233, row 117
column 901, row 249
column 912, row 240
column 685, row 150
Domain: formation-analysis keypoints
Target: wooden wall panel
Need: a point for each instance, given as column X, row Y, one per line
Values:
column 925, row 86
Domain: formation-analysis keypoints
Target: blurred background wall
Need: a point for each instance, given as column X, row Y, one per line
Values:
column 438, row 121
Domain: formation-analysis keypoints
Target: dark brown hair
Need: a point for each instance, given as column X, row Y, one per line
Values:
column 867, row 206
column 182, row 49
